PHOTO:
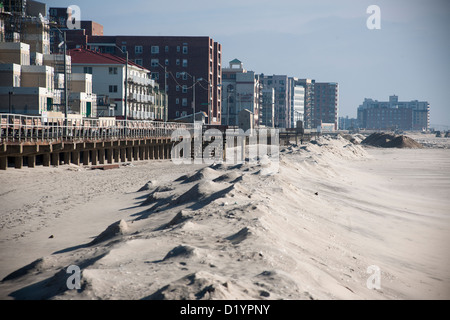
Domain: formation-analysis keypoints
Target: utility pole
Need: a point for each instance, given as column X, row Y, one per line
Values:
column 193, row 101
column 126, row 87
column 66, row 98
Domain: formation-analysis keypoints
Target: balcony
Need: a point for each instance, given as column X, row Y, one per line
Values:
column 141, row 81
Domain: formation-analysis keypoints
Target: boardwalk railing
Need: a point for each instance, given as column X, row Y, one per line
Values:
column 22, row 128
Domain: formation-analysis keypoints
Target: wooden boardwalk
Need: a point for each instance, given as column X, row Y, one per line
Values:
column 30, row 141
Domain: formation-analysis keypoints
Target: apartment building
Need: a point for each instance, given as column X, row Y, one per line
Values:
column 309, row 101
column 32, row 79
column 394, row 114
column 282, row 89
column 24, row 88
column 326, row 104
column 109, row 79
column 174, row 63
column 267, row 110
column 241, row 90
column 297, row 99
column 187, row 68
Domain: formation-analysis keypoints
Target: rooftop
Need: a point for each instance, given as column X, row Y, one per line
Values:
column 81, row 55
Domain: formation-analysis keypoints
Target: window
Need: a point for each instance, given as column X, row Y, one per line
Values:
column 185, row 49
column 112, row 70
column 155, row 62
column 167, row 62
column 184, row 103
column 177, row 114
column 185, row 63
column 112, row 88
column 138, row 49
column 166, row 49
column 178, row 62
column 184, row 89
column 124, row 49
column 155, row 75
column 177, row 101
column 139, row 62
column 155, row 49
column 185, row 76
column 178, row 48
column 178, row 75
column 178, row 88
column 87, row 70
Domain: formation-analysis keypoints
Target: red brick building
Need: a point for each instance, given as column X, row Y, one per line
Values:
column 175, row 62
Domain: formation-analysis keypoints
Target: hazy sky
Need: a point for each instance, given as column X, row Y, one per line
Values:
column 326, row 40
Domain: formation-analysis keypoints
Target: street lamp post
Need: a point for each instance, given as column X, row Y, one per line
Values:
column 193, row 88
column 165, row 90
column 66, row 97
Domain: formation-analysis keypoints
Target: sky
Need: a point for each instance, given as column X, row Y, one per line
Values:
column 325, row 40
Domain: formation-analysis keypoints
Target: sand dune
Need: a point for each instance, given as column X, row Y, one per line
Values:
column 156, row 230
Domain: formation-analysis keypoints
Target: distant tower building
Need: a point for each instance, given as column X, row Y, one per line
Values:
column 326, row 103
column 267, row 115
column 297, row 96
column 241, row 90
column 394, row 114
column 309, row 101
column 282, row 89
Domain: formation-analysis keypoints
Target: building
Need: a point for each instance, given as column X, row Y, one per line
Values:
column 267, row 110
column 108, row 77
column 297, row 98
column 24, row 21
column 32, row 79
column 24, row 88
column 394, row 115
column 346, row 123
column 309, row 101
column 241, row 91
column 187, row 68
column 282, row 89
column 58, row 18
column 174, row 63
column 326, row 103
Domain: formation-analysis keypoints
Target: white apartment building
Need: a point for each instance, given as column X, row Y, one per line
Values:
column 108, row 78
column 297, row 102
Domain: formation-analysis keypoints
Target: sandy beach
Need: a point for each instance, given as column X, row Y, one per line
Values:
column 333, row 211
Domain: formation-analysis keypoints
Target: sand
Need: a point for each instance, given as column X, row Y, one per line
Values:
column 156, row 230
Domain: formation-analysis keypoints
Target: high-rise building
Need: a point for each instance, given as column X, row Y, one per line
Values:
column 394, row 114
column 282, row 106
column 187, row 68
column 297, row 96
column 326, row 102
column 267, row 114
column 309, row 101
column 241, row 90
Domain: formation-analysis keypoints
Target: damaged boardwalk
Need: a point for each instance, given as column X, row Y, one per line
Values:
column 29, row 141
